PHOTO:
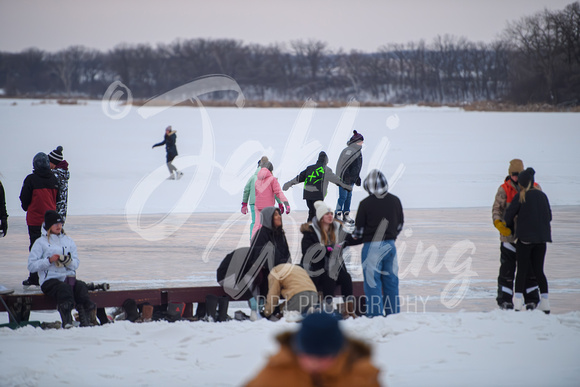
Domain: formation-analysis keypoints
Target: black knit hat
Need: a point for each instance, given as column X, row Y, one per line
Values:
column 55, row 156
column 356, row 137
column 51, row 217
column 526, row 177
column 319, row 336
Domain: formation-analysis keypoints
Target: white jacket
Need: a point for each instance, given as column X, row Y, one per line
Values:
column 43, row 249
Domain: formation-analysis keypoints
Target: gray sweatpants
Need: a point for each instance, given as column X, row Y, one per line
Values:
column 302, row 301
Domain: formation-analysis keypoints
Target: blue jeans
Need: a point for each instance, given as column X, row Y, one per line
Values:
column 344, row 197
column 381, row 277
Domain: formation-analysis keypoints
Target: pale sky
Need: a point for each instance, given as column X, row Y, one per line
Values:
column 364, row 25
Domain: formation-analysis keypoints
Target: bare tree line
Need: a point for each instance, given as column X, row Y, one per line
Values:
column 536, row 60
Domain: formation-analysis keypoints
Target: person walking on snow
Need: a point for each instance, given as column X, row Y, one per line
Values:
column 507, row 269
column 59, row 167
column 348, row 169
column 171, row 149
column 316, row 178
column 38, row 195
column 267, row 189
column 249, row 196
column 532, row 230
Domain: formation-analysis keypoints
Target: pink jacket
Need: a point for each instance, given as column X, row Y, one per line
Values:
column 267, row 187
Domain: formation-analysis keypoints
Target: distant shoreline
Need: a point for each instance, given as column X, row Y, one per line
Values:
column 480, row 106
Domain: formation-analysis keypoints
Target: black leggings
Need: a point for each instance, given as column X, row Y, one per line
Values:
column 530, row 256
column 64, row 293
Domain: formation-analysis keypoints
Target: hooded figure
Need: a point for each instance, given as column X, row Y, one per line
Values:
column 171, row 152
column 316, row 178
column 38, row 195
column 379, row 220
column 267, row 190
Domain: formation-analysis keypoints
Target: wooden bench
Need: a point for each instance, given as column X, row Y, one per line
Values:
column 21, row 304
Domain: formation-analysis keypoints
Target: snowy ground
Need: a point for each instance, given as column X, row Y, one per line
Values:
column 442, row 160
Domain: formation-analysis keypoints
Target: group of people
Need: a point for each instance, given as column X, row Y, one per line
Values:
column 521, row 212
column 53, row 258
column 326, row 233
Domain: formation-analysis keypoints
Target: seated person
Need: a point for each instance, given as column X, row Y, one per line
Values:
column 322, row 243
column 54, row 257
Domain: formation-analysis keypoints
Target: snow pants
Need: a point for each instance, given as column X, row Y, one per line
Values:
column 505, row 280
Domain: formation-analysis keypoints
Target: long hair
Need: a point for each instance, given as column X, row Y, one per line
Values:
column 523, row 191
column 330, row 237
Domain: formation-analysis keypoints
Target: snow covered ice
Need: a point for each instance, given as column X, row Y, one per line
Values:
column 445, row 165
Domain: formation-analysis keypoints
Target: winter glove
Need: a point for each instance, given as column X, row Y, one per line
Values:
column 503, row 230
column 286, row 186
column 3, row 226
column 244, row 208
column 281, row 207
column 287, row 207
column 357, row 182
column 63, row 260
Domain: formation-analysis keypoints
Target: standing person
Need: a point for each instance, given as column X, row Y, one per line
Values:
column 507, row 269
column 379, row 220
column 54, row 256
column 316, row 178
column 267, row 190
column 3, row 212
column 293, row 283
column 38, row 195
column 249, row 196
column 169, row 141
column 532, row 230
column 59, row 167
column 318, row 354
column 348, row 169
column 322, row 242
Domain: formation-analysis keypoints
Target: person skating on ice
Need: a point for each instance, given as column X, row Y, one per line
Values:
column 316, row 178
column 348, row 169
column 171, row 149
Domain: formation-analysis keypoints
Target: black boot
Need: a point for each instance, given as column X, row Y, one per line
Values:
column 223, row 303
column 211, row 302
column 65, row 310
column 83, row 316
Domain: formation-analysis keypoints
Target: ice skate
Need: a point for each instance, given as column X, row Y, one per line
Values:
column 178, row 175
column 346, row 218
column 544, row 305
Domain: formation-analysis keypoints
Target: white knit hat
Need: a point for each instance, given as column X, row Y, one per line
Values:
column 321, row 209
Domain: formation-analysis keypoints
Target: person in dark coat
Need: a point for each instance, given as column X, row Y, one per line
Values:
column 379, row 220
column 244, row 272
column 171, row 149
column 3, row 212
column 316, row 178
column 323, row 240
column 532, row 229
column 38, row 195
column 348, row 169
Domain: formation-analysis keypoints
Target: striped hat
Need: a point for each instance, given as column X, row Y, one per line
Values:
column 55, row 156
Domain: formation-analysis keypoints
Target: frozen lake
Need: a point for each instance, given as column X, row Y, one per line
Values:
column 110, row 252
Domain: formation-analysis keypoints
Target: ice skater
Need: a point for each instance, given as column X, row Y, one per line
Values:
column 316, row 178
column 348, row 169
column 171, row 149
